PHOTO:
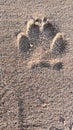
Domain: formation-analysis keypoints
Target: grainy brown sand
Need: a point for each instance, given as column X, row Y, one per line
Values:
column 34, row 99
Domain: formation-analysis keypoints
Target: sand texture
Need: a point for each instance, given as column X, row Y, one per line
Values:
column 36, row 83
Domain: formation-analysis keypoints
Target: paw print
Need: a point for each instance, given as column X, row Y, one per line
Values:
column 44, row 42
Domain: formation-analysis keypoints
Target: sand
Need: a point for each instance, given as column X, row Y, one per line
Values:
column 34, row 99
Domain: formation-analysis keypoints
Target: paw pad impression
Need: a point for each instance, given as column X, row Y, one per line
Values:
column 28, row 40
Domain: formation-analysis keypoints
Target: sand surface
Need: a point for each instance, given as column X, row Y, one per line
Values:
column 34, row 99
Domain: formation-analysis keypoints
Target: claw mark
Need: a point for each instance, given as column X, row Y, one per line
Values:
column 38, row 20
column 61, row 119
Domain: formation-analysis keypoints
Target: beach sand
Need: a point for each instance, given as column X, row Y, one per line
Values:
column 34, row 99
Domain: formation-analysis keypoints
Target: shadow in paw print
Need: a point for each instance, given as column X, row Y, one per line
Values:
column 33, row 32
column 34, row 66
column 58, row 66
column 58, row 45
column 23, row 43
column 42, row 65
column 49, row 29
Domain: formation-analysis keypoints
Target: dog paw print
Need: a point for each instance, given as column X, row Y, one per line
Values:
column 44, row 42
